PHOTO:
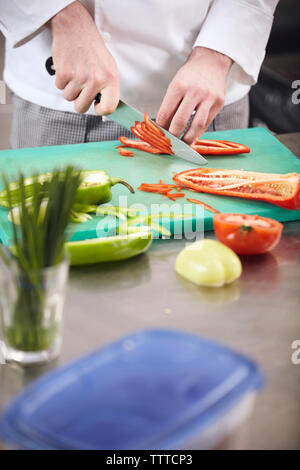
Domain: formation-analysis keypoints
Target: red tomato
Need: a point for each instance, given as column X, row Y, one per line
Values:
column 247, row 234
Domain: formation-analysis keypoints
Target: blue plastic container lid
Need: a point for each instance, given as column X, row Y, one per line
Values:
column 150, row 390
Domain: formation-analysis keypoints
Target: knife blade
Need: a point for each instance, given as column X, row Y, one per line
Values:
column 126, row 116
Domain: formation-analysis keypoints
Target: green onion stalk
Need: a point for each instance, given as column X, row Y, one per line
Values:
column 38, row 243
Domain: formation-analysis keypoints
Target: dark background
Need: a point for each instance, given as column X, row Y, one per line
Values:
column 271, row 99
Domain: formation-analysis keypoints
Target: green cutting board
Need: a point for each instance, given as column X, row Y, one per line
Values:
column 267, row 155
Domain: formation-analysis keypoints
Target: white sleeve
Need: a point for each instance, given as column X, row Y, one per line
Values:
column 19, row 19
column 239, row 29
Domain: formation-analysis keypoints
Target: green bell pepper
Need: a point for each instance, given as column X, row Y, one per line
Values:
column 95, row 188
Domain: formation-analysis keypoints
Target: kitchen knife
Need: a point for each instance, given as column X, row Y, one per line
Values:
column 126, row 116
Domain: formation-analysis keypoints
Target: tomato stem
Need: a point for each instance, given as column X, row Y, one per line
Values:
column 245, row 229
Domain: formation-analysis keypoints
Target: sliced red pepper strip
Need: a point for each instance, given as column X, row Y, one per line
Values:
column 210, row 143
column 150, row 139
column 280, row 189
column 163, row 139
column 152, row 143
column 236, row 145
column 174, row 196
column 136, row 144
column 178, row 195
column 157, row 188
column 136, row 132
column 169, row 196
column 131, row 142
column 163, row 189
column 155, row 141
column 151, row 125
column 219, row 147
column 126, row 153
column 206, row 206
column 221, row 143
column 146, row 136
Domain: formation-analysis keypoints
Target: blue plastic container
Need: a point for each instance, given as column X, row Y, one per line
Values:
column 152, row 390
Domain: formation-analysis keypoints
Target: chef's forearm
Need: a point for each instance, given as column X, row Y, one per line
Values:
column 21, row 19
column 73, row 13
column 223, row 60
column 239, row 29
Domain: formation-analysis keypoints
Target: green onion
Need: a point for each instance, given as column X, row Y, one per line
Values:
column 38, row 243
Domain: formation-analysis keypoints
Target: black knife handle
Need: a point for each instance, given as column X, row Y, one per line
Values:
column 49, row 66
column 50, row 69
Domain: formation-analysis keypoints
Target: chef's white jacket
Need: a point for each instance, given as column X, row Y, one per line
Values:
column 149, row 39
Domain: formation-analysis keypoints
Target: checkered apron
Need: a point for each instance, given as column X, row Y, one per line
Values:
column 37, row 126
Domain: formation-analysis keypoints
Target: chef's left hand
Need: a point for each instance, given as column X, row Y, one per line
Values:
column 198, row 85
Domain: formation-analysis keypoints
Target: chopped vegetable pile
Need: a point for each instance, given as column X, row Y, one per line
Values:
column 165, row 190
column 151, row 139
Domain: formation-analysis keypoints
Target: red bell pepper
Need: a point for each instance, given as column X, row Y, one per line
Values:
column 281, row 190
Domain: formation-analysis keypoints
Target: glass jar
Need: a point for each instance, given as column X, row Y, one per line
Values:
column 31, row 311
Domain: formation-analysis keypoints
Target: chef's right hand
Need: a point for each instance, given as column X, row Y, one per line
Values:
column 83, row 64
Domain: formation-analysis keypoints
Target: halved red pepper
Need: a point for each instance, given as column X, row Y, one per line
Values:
column 280, row 189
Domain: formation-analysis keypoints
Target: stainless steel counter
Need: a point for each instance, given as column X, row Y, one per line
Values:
column 259, row 315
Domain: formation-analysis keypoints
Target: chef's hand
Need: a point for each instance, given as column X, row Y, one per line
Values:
column 198, row 85
column 83, row 65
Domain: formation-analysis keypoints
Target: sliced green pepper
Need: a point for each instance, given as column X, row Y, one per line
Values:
column 102, row 250
column 148, row 221
column 15, row 193
column 145, row 222
column 118, row 211
column 80, row 212
column 95, row 188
